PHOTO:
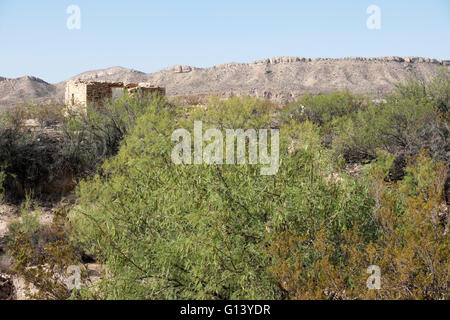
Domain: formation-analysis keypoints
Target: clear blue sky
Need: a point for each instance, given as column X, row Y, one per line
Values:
column 151, row 35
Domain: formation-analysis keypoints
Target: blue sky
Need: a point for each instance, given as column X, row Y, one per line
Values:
column 151, row 35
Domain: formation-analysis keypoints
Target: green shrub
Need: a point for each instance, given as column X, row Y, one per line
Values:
column 411, row 248
column 29, row 222
column 33, row 158
column 437, row 91
column 328, row 111
column 412, row 118
column 29, row 160
column 93, row 136
column 45, row 114
column 42, row 254
column 200, row 231
column 323, row 108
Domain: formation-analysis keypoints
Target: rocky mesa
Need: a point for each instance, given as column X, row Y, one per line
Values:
column 280, row 79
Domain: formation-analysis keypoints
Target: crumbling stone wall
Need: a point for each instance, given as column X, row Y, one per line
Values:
column 76, row 95
column 148, row 90
column 97, row 92
column 79, row 94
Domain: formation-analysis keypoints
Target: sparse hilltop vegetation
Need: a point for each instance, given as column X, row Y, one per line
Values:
column 279, row 79
column 363, row 180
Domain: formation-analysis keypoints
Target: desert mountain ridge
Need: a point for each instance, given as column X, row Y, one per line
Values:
column 280, row 78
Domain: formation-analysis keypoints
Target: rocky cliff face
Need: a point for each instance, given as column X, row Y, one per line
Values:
column 279, row 78
column 287, row 78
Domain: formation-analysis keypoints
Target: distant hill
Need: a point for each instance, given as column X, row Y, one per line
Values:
column 19, row 90
column 279, row 79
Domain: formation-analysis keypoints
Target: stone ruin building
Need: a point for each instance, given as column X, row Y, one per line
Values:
column 79, row 94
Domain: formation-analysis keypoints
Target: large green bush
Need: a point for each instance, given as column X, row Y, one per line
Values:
column 323, row 108
column 328, row 111
column 201, row 231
